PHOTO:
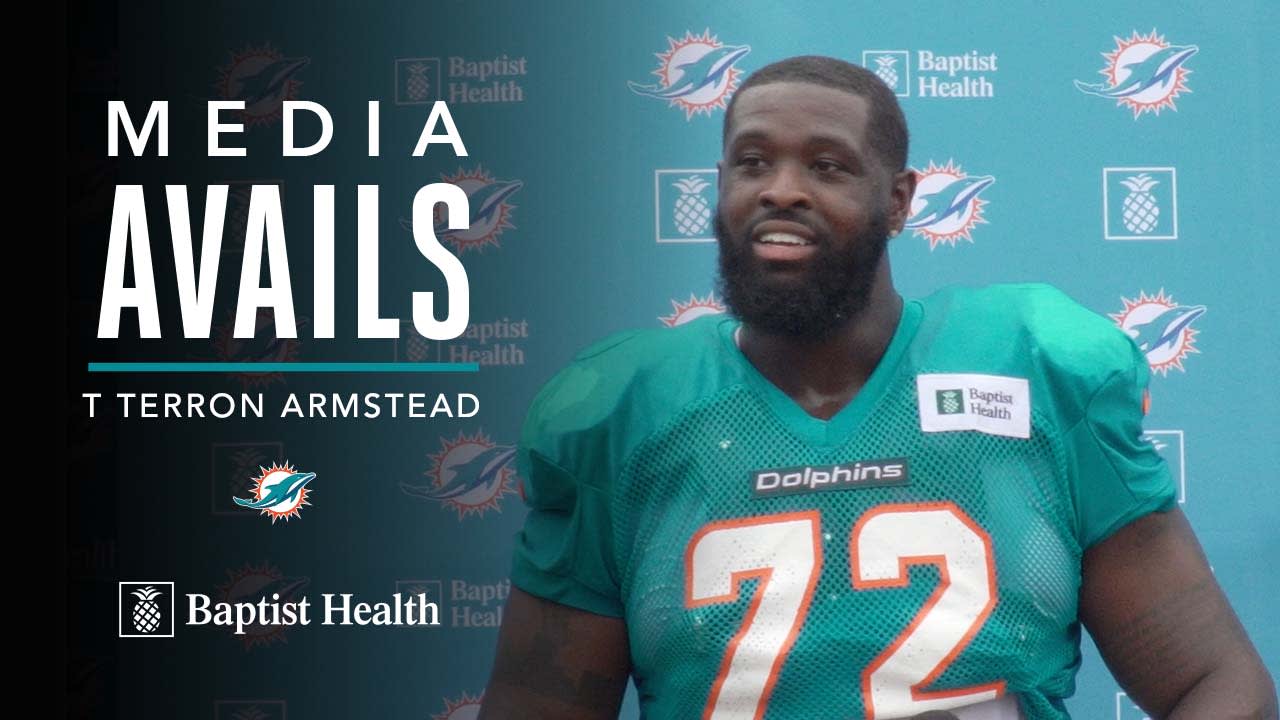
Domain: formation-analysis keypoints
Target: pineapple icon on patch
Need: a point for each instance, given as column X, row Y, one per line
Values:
column 685, row 202
column 1140, row 203
column 145, row 609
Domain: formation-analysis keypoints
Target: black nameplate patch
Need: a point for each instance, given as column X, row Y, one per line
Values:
column 774, row 482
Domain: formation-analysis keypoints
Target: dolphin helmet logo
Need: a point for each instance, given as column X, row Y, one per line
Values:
column 470, row 474
column 1144, row 73
column 280, row 491
column 694, row 308
column 254, row 583
column 1161, row 328
column 947, row 206
column 463, row 708
column 489, row 206
column 263, row 78
column 697, row 73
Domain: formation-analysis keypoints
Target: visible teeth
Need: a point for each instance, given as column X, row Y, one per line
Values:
column 778, row 238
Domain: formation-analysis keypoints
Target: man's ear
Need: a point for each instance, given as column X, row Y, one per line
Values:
column 719, row 177
column 904, row 188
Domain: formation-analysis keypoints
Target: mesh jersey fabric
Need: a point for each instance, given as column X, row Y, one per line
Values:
column 650, row 440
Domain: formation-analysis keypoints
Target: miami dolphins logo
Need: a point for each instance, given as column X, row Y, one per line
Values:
column 697, row 73
column 490, row 211
column 1161, row 328
column 464, row 708
column 1144, row 73
column 946, row 206
column 254, row 583
column 279, row 491
column 264, row 346
column 695, row 308
column 263, row 78
column 470, row 474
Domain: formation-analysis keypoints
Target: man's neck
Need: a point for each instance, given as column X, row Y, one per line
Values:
column 823, row 375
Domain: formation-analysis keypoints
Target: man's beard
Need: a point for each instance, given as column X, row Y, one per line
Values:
column 836, row 287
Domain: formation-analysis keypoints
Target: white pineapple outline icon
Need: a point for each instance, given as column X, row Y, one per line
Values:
column 949, row 402
column 146, row 614
column 417, row 85
column 1140, row 213
column 886, row 70
column 692, row 213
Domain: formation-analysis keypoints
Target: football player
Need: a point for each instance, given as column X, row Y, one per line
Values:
column 837, row 503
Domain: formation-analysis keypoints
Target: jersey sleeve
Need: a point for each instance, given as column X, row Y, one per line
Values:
column 564, row 551
column 1117, row 476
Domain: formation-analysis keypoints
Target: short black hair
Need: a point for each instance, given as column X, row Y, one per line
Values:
column 886, row 129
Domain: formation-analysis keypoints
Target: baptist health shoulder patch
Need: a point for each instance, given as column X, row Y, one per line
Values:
column 991, row 404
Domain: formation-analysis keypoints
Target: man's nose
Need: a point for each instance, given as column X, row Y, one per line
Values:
column 786, row 188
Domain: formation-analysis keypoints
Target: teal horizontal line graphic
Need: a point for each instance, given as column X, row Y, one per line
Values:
column 282, row 367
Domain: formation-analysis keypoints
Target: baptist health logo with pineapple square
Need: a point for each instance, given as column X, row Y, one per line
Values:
column 146, row 609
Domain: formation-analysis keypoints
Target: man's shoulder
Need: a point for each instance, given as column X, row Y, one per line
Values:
column 1033, row 327
column 627, row 383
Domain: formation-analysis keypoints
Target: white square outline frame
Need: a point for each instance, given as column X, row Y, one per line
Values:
column 284, row 706
column 906, row 66
column 1182, row 460
column 440, row 600
column 1106, row 213
column 657, row 207
column 120, row 606
column 213, row 498
column 395, row 79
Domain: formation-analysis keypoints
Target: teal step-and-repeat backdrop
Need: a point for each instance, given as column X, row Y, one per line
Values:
column 1123, row 152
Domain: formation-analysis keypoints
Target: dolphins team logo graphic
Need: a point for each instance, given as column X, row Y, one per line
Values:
column 694, row 308
column 263, row 78
column 489, row 206
column 464, row 708
column 1161, row 328
column 265, row 582
column 264, row 346
column 279, row 491
column 470, row 474
column 946, row 206
column 1144, row 73
column 696, row 73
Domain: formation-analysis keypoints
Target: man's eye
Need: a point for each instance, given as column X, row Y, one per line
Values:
column 750, row 161
column 827, row 166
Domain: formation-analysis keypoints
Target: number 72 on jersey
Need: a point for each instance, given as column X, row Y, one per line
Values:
column 784, row 553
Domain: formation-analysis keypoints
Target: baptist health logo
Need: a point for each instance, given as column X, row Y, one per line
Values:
column 420, row 81
column 947, row 206
column 279, row 491
column 696, row 74
column 145, row 609
column 950, row 401
column 1161, row 328
column 1144, row 73
column 1140, row 203
column 683, row 202
column 937, row 75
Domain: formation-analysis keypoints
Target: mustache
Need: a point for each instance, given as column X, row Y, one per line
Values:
column 786, row 215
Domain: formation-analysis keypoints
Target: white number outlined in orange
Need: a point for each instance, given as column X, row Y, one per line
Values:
column 784, row 553
column 885, row 541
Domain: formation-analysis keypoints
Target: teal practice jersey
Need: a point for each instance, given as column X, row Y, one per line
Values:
column 918, row 551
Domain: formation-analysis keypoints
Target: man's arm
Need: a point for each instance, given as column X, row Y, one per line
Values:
column 555, row 661
column 1165, row 628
